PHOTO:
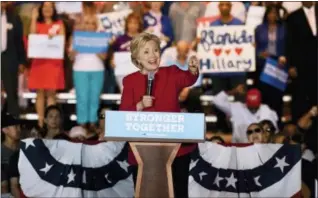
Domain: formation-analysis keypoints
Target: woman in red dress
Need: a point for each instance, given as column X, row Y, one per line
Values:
column 46, row 75
column 169, row 81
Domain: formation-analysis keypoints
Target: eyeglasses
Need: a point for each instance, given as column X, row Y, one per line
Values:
column 250, row 131
column 101, row 116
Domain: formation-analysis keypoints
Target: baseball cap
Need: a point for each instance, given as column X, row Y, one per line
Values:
column 253, row 98
column 8, row 120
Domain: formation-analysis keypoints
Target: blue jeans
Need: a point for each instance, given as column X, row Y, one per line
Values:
column 88, row 87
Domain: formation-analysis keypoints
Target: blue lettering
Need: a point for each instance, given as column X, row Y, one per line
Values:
column 205, row 64
column 221, row 64
column 106, row 23
column 209, row 38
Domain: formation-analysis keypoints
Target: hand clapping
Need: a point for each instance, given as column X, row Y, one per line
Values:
column 193, row 65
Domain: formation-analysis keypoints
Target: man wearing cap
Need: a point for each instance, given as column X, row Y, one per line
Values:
column 10, row 129
column 242, row 115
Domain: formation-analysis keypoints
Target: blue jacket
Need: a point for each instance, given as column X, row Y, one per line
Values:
column 261, row 39
column 166, row 26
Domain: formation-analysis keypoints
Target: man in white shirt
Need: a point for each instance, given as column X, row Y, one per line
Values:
column 242, row 115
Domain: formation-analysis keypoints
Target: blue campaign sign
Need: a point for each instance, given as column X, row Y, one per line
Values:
column 91, row 42
column 154, row 126
column 273, row 75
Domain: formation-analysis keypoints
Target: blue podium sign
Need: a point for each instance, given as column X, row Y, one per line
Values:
column 154, row 126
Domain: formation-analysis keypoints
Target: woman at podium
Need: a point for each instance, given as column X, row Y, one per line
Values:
column 157, row 89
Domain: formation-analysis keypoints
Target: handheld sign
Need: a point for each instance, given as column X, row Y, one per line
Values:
column 69, row 7
column 124, row 65
column 226, row 48
column 273, row 75
column 154, row 126
column 41, row 46
column 113, row 22
column 91, row 42
column 255, row 15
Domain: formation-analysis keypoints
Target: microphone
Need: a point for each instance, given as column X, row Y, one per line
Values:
column 151, row 77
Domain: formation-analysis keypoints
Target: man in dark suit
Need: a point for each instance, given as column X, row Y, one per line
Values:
column 302, row 55
column 13, row 56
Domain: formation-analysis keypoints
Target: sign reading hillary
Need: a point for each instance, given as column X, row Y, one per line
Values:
column 226, row 49
column 91, row 42
column 127, row 125
column 273, row 75
column 114, row 22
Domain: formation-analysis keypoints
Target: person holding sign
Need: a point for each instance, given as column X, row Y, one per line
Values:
column 46, row 75
column 161, row 94
column 88, row 75
column 270, row 43
column 158, row 24
column 133, row 26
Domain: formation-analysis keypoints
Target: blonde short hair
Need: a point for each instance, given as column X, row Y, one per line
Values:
column 138, row 42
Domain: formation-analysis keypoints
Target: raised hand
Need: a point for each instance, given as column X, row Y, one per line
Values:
column 193, row 65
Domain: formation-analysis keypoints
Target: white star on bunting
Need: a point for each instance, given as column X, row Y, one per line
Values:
column 256, row 180
column 106, row 176
column 281, row 163
column 71, row 176
column 124, row 165
column 46, row 168
column 202, row 174
column 231, row 181
column 84, row 177
column 217, row 180
column 28, row 142
column 193, row 163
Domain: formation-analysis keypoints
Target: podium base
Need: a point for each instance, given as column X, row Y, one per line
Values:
column 154, row 177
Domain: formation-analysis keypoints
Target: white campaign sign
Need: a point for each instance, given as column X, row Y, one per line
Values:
column 114, row 22
column 226, row 49
column 41, row 46
column 69, row 7
column 255, row 15
column 123, row 64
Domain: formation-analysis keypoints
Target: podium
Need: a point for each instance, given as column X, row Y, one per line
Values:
column 155, row 139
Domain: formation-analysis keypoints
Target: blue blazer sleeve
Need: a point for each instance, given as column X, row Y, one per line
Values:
column 281, row 39
column 258, row 39
column 167, row 28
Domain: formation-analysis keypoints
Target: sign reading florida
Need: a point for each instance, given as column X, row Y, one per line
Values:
column 226, row 49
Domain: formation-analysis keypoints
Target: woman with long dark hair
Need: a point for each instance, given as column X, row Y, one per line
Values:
column 270, row 42
column 53, row 123
column 46, row 75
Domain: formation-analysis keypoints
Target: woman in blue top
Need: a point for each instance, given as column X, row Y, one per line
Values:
column 157, row 23
column 270, row 42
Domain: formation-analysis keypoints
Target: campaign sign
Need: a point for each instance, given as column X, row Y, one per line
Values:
column 273, row 75
column 41, row 46
column 226, row 49
column 114, row 22
column 91, row 42
column 69, row 7
column 255, row 15
column 154, row 126
column 123, row 63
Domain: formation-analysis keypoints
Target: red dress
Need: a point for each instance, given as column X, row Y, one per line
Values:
column 47, row 74
column 169, row 81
